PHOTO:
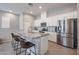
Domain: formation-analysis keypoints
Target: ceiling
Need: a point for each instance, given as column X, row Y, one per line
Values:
column 25, row 8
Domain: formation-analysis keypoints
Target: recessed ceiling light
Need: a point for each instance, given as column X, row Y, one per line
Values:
column 40, row 7
column 31, row 12
column 10, row 11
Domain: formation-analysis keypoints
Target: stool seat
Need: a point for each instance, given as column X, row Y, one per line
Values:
column 28, row 45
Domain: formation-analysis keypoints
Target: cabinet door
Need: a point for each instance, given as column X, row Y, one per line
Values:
column 44, row 45
column 53, row 37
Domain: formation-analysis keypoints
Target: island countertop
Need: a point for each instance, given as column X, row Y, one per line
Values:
column 40, row 40
column 34, row 34
column 37, row 35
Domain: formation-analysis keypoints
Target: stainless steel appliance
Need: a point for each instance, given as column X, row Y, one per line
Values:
column 67, row 33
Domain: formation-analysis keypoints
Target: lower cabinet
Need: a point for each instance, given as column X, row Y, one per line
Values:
column 53, row 37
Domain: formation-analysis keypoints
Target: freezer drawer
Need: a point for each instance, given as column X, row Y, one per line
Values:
column 67, row 40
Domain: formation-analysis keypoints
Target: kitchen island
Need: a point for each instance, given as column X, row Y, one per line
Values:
column 40, row 40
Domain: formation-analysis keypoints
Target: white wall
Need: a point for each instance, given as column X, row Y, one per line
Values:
column 21, row 22
column 16, row 25
column 78, row 28
column 5, row 32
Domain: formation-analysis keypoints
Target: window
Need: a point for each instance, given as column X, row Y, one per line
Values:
column 5, row 22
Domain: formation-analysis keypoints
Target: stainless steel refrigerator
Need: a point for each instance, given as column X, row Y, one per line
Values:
column 67, row 33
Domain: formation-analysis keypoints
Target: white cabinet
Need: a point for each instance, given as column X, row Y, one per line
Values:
column 44, row 45
column 53, row 37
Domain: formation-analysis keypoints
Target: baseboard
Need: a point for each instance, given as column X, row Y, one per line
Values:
column 52, row 41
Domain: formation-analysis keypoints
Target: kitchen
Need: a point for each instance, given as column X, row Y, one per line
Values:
column 41, row 22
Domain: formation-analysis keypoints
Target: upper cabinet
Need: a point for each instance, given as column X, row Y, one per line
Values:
column 72, row 14
column 52, row 20
column 75, row 14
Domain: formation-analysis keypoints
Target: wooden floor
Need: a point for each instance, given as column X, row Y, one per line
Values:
column 55, row 49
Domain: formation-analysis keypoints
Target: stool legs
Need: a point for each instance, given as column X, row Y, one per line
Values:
column 35, row 49
column 30, row 52
column 16, row 47
column 20, row 49
column 25, row 51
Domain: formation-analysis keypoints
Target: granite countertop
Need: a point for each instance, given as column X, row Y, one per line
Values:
column 34, row 35
column 37, row 35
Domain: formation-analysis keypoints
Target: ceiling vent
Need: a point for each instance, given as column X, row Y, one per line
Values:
column 30, row 4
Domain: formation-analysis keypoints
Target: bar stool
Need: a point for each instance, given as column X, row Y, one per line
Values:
column 15, row 42
column 27, row 45
column 12, row 41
